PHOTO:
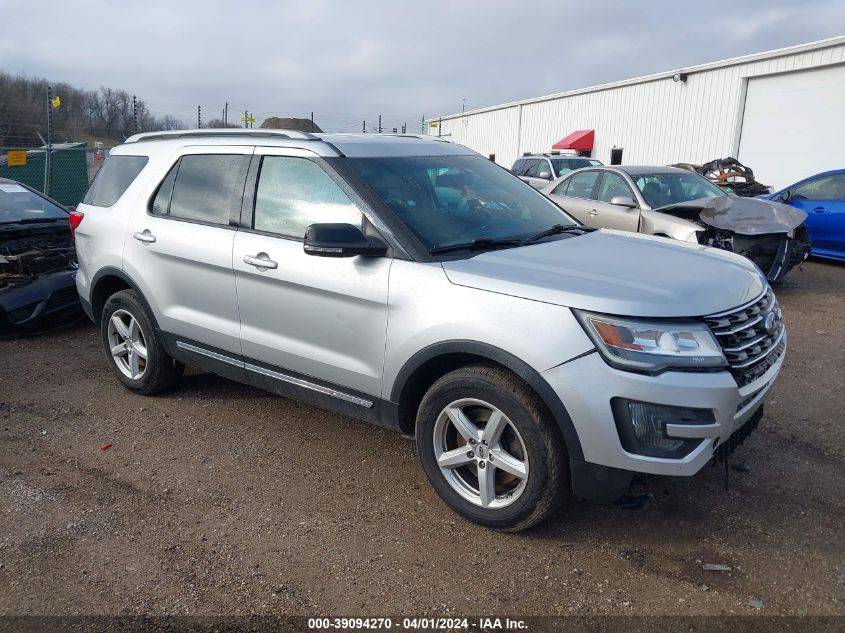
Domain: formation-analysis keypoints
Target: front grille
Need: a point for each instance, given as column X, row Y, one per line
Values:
column 749, row 347
column 63, row 297
column 737, row 437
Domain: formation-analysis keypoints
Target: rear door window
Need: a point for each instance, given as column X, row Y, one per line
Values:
column 560, row 190
column 115, row 176
column 581, row 184
column 518, row 166
column 205, row 188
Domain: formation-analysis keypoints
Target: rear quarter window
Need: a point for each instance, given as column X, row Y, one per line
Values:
column 114, row 178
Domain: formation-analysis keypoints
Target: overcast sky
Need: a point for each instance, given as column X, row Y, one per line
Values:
column 348, row 61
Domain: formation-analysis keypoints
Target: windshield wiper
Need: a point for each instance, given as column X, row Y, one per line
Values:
column 476, row 245
column 560, row 228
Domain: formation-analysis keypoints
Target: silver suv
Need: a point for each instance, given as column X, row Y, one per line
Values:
column 414, row 284
column 538, row 170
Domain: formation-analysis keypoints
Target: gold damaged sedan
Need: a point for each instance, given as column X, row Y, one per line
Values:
column 679, row 204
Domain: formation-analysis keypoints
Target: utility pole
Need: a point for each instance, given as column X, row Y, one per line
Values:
column 226, row 114
column 404, row 128
column 364, row 126
column 312, row 121
column 422, row 124
column 439, row 126
column 463, row 105
column 379, row 124
column 246, row 118
column 199, row 116
column 49, row 141
column 134, row 114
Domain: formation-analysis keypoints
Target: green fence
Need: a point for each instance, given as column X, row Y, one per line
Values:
column 69, row 170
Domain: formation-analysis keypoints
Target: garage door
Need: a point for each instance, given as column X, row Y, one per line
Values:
column 794, row 125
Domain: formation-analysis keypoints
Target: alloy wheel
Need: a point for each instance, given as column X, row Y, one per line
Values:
column 480, row 453
column 127, row 344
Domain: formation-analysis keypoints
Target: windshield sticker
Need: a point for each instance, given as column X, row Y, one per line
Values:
column 13, row 189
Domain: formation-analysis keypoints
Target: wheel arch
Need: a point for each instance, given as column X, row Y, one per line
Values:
column 108, row 281
column 429, row 364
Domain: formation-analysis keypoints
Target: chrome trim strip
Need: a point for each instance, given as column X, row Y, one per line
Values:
column 206, row 352
column 276, row 375
column 694, row 431
column 751, row 343
column 308, row 385
column 740, row 327
column 740, row 307
column 757, row 359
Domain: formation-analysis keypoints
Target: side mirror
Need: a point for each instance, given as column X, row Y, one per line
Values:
column 623, row 201
column 341, row 240
column 545, row 175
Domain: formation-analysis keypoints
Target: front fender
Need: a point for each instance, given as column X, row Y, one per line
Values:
column 656, row 223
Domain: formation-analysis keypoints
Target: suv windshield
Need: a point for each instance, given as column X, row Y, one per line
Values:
column 17, row 203
column 447, row 200
column 660, row 190
column 565, row 165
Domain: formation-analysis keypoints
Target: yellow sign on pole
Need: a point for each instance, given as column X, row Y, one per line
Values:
column 432, row 124
column 56, row 102
column 16, row 158
column 248, row 119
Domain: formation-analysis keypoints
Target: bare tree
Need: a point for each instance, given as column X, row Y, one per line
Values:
column 218, row 123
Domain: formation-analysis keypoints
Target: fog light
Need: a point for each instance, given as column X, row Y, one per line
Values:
column 648, row 421
column 642, row 427
column 22, row 314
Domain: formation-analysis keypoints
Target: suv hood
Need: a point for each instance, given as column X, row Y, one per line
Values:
column 616, row 273
column 746, row 216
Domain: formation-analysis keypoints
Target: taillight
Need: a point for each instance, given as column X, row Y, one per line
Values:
column 75, row 220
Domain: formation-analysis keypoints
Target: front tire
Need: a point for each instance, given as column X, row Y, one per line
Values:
column 491, row 449
column 133, row 346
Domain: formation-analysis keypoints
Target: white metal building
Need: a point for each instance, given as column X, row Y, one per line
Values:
column 781, row 112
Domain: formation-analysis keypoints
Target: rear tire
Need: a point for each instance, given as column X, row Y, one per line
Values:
column 133, row 346
column 491, row 449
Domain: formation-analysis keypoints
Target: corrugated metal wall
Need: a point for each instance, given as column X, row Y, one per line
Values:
column 659, row 121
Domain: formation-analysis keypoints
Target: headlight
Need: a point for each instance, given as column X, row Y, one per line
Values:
column 652, row 345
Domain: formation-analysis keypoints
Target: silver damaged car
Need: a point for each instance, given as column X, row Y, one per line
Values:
column 676, row 203
column 412, row 283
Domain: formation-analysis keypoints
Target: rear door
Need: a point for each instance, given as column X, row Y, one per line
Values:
column 578, row 193
column 611, row 216
column 321, row 320
column 179, row 247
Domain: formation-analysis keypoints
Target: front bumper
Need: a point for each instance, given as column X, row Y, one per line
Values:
column 47, row 301
column 588, row 384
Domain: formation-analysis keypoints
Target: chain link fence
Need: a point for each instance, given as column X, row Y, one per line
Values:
column 63, row 172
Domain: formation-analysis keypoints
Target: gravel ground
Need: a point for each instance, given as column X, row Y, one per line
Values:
column 220, row 499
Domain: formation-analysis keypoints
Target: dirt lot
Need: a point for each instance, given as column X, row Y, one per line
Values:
column 220, row 499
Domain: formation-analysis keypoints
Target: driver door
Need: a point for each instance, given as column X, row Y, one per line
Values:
column 319, row 319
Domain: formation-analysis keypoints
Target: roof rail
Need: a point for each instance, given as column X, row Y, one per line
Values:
column 291, row 134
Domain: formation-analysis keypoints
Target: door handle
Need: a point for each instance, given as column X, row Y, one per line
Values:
column 820, row 209
column 261, row 261
column 145, row 236
column 594, row 212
